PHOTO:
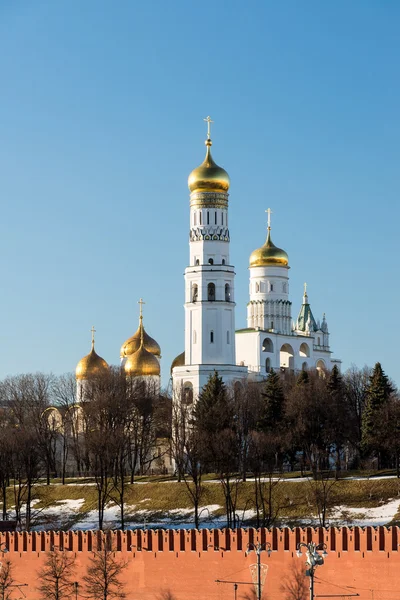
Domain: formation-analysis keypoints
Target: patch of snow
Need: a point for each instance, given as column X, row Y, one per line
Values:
column 379, row 515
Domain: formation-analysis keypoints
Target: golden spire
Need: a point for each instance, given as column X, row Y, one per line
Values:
column 208, row 121
column 93, row 332
column 269, row 213
column 141, row 302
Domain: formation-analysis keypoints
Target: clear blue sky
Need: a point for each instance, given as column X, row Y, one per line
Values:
column 101, row 109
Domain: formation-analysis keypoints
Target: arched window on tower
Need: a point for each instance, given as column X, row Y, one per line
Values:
column 187, row 393
column 257, row 286
column 227, row 292
column 215, row 218
column 228, row 339
column 208, row 217
column 237, row 390
column 268, row 365
column 210, row 261
column 200, row 217
column 284, row 287
column 211, row 292
column 211, row 337
column 195, row 292
column 197, row 262
column 194, row 219
column 223, row 261
column 267, row 345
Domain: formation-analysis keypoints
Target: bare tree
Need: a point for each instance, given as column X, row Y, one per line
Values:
column 64, row 392
column 26, row 398
column 187, row 451
column 56, row 576
column 294, row 586
column 322, row 494
column 103, row 575
column 6, row 579
column 262, row 462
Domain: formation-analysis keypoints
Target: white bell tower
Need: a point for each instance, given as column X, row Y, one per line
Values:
column 209, row 279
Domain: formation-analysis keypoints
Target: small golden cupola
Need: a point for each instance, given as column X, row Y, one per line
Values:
column 133, row 343
column 209, row 177
column 91, row 365
column 142, row 363
column 269, row 255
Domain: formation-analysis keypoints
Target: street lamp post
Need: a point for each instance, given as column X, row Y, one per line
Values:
column 314, row 560
column 258, row 548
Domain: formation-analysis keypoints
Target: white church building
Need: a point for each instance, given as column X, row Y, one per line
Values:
column 272, row 339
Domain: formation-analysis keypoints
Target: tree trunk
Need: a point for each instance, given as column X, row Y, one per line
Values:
column 4, row 501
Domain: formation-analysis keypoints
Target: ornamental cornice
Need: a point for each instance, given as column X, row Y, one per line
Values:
column 208, row 200
column 209, row 232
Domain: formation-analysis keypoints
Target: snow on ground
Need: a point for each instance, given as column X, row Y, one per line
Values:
column 379, row 515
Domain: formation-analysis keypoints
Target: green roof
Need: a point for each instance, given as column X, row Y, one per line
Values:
column 304, row 314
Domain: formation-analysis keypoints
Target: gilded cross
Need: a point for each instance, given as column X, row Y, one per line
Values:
column 305, row 289
column 141, row 302
column 93, row 332
column 269, row 213
column 208, row 121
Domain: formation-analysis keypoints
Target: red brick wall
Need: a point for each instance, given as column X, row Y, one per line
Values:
column 187, row 562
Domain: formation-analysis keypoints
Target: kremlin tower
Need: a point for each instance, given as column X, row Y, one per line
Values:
column 209, row 283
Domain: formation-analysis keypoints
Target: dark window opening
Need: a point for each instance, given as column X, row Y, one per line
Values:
column 211, row 292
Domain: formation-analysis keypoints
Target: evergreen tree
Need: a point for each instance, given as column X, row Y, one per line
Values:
column 378, row 394
column 302, row 378
column 273, row 403
column 213, row 410
column 337, row 426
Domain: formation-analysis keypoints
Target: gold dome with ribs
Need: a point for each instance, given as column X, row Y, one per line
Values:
column 132, row 344
column 91, row 365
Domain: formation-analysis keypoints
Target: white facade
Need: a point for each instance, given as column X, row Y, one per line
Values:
column 209, row 291
column 271, row 340
column 265, row 344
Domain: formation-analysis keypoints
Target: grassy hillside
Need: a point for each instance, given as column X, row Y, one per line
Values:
column 166, row 502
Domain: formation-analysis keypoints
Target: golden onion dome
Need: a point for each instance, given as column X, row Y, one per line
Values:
column 91, row 365
column 179, row 361
column 132, row 345
column 209, row 177
column 142, row 363
column 269, row 255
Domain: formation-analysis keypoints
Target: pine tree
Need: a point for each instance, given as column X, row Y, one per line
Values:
column 302, row 378
column 213, row 410
column 273, row 403
column 378, row 393
column 337, row 428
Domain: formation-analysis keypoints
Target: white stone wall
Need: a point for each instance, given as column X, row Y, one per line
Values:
column 289, row 351
column 269, row 307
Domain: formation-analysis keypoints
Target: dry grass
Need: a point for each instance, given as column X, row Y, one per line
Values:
column 159, row 496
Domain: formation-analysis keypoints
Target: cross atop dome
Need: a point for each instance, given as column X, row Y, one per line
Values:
column 269, row 213
column 141, row 302
column 208, row 121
